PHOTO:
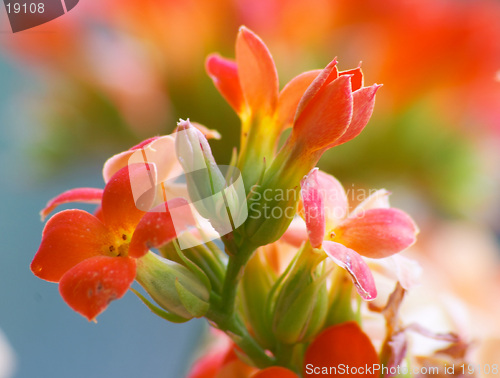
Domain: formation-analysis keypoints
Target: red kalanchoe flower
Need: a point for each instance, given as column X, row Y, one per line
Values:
column 93, row 257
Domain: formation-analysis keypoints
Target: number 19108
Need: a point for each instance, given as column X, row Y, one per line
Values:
column 25, row 8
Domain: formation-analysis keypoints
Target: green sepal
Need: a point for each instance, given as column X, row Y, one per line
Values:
column 158, row 311
column 195, row 269
column 194, row 305
column 290, row 325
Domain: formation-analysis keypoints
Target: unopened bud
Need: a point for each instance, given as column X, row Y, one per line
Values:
column 172, row 286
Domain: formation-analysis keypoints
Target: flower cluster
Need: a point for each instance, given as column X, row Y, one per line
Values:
column 182, row 226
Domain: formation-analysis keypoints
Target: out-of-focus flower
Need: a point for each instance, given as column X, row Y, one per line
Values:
column 372, row 230
column 340, row 345
column 93, row 257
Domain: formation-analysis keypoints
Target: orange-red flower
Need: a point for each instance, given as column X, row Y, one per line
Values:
column 93, row 256
column 340, row 345
column 325, row 107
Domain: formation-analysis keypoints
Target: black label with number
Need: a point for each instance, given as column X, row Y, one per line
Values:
column 26, row 14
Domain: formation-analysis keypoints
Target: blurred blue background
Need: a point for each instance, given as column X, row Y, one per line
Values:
column 49, row 339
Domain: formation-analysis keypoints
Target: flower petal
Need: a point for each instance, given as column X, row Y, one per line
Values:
column 290, row 96
column 161, row 225
column 296, row 233
column 119, row 209
column 257, row 72
column 224, row 74
column 326, row 116
column 363, row 104
column 69, row 237
column 377, row 200
column 354, row 264
column 118, row 161
column 334, row 199
column 341, row 345
column 377, row 233
column 314, row 211
column 86, row 195
column 325, row 77
column 400, row 268
column 89, row 286
column 356, row 77
column 275, row 372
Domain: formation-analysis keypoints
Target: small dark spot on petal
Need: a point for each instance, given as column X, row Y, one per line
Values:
column 111, row 248
column 124, row 237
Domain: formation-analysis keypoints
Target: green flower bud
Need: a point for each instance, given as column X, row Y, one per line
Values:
column 172, row 286
column 302, row 302
column 220, row 199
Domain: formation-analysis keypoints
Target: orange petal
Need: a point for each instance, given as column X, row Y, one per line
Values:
column 157, row 227
column 378, row 233
column 326, row 116
column 341, row 346
column 69, row 237
column 224, row 74
column 236, row 369
column 90, row 286
column 356, row 77
column 275, row 372
column 85, row 195
column 325, row 77
column 363, row 104
column 290, row 96
column 119, row 209
column 354, row 264
column 257, row 72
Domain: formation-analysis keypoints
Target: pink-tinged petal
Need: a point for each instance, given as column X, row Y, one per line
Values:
column 377, row 200
column 69, row 237
column 118, row 161
column 275, row 372
column 354, row 264
column 296, row 233
column 334, row 199
column 377, row 233
column 325, row 77
column 90, row 286
column 85, row 195
column 314, row 212
column 326, row 117
column 290, row 96
column 400, row 268
column 224, row 74
column 119, row 209
column 345, row 345
column 363, row 104
column 257, row 73
column 115, row 163
column 161, row 225
column 356, row 77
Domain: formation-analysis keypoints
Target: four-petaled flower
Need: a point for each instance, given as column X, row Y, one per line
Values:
column 372, row 229
column 92, row 257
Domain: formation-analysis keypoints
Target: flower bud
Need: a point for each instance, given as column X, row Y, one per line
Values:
column 222, row 202
column 302, row 303
column 173, row 287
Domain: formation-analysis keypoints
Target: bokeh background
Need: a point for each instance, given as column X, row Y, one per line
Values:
column 111, row 73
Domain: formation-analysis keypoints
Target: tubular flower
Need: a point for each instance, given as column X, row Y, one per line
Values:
column 340, row 345
column 324, row 107
column 372, row 230
column 93, row 257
